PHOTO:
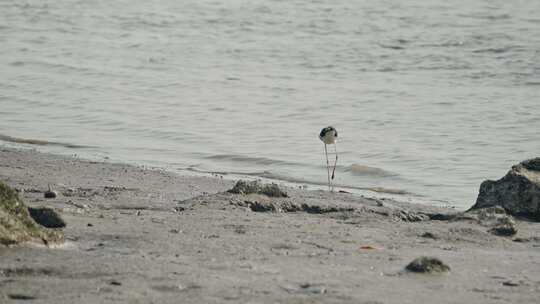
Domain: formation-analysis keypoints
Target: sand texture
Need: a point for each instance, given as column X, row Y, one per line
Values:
column 138, row 235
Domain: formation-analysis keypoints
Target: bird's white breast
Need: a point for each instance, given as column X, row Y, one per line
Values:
column 329, row 138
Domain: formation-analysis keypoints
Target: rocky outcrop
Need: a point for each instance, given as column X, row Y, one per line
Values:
column 16, row 223
column 518, row 192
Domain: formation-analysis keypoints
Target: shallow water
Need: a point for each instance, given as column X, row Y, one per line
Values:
column 429, row 97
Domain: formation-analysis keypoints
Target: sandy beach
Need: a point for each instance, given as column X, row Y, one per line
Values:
column 142, row 235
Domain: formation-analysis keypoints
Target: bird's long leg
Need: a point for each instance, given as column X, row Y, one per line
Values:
column 327, row 166
column 335, row 162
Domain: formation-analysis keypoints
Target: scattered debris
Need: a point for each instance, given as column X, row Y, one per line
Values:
column 429, row 235
column 427, row 265
column 179, row 209
column 27, row 272
column 305, row 288
column 504, row 229
column 261, row 206
column 503, row 225
column 526, row 240
column 409, row 216
column 287, row 206
column 16, row 296
column 367, row 247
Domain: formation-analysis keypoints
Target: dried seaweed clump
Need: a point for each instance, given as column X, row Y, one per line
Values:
column 427, row 265
column 250, row 187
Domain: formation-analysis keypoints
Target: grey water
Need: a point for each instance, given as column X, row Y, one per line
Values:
column 430, row 98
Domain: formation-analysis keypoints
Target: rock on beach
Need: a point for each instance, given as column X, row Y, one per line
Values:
column 518, row 192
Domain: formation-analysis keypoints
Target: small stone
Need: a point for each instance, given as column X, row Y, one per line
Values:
column 50, row 194
column 89, row 225
column 179, row 209
column 427, row 265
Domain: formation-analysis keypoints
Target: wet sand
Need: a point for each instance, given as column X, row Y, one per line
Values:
column 139, row 235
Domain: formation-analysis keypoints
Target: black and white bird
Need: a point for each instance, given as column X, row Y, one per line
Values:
column 329, row 136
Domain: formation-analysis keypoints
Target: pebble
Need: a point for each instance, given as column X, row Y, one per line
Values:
column 50, row 194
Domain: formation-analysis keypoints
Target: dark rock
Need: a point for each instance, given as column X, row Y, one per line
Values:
column 427, row 265
column 255, row 187
column 50, row 194
column 518, row 192
column 46, row 217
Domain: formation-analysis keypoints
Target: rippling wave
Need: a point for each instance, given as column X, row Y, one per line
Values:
column 39, row 142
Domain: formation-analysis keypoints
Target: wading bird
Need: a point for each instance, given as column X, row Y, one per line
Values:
column 329, row 136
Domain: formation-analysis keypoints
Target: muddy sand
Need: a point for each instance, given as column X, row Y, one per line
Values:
column 138, row 235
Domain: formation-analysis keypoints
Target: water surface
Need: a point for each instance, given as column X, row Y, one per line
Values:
column 429, row 97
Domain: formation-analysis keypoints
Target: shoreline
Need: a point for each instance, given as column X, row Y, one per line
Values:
column 377, row 192
column 138, row 235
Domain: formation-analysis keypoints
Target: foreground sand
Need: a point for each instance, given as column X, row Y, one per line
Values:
column 147, row 236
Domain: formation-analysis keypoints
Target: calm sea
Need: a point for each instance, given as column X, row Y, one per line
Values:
column 429, row 97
